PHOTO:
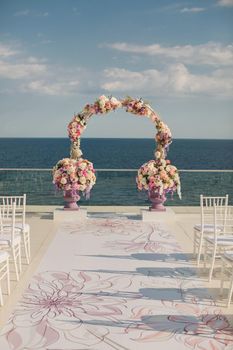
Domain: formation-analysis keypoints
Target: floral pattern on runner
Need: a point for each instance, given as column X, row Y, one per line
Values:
column 102, row 300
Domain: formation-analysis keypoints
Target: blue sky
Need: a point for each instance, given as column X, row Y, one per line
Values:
column 56, row 56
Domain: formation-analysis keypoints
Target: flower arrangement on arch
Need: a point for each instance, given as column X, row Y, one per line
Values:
column 159, row 176
column 102, row 105
column 139, row 107
column 74, row 175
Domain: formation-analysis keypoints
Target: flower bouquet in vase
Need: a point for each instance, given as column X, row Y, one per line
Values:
column 159, row 178
column 72, row 177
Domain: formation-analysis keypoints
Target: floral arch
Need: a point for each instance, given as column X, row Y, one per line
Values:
column 77, row 174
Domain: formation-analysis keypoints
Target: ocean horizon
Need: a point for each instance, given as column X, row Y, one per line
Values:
column 36, row 152
column 115, row 187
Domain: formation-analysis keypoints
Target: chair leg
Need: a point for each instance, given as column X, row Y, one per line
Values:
column 25, row 244
column 8, row 277
column 199, row 250
column 205, row 255
column 212, row 264
column 222, row 278
column 194, row 244
column 1, row 298
column 19, row 258
column 29, row 243
column 15, row 263
column 230, row 292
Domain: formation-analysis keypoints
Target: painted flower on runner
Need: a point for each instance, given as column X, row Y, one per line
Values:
column 74, row 175
column 58, row 305
column 159, row 176
column 200, row 328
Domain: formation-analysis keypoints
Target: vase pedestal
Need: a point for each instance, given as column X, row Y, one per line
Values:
column 67, row 215
column 158, row 216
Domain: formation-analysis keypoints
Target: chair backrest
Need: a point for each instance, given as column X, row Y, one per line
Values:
column 223, row 220
column 8, row 225
column 6, row 203
column 229, row 220
column 207, row 203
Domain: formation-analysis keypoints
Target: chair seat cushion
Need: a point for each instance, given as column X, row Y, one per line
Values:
column 229, row 255
column 3, row 256
column 20, row 226
column 221, row 240
column 208, row 228
column 5, row 239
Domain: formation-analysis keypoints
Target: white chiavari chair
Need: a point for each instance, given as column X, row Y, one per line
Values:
column 10, row 240
column 220, row 241
column 206, row 226
column 6, row 203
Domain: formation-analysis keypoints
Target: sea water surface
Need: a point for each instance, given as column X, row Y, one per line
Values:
column 114, row 188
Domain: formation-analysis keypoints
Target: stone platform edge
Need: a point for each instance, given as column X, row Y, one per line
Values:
column 59, row 214
column 148, row 215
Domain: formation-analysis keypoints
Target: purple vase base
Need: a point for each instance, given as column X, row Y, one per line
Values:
column 71, row 207
column 157, row 207
column 71, row 201
column 157, row 202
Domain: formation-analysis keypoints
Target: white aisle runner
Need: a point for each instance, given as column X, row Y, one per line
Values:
column 115, row 283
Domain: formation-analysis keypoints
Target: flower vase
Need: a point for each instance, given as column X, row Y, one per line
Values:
column 70, row 199
column 157, row 201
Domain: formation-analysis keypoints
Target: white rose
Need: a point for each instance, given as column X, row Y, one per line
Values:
column 157, row 154
column 63, row 181
column 82, row 166
column 82, row 180
column 143, row 182
column 171, row 183
column 114, row 101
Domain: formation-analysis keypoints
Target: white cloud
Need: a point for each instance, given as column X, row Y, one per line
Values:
column 47, row 42
column 20, row 70
column 175, row 80
column 22, row 13
column 208, row 54
column 6, row 51
column 51, row 88
column 36, row 75
column 192, row 9
column 31, row 13
column 226, row 3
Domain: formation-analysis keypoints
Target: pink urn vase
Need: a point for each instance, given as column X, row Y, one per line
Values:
column 71, row 199
column 157, row 201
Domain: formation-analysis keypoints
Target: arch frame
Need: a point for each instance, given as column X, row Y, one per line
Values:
column 158, row 176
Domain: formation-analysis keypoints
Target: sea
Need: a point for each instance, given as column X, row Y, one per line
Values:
column 115, row 187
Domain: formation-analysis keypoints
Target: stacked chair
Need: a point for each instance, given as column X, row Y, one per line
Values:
column 207, row 223
column 14, row 232
column 214, row 237
column 9, row 243
column 6, row 203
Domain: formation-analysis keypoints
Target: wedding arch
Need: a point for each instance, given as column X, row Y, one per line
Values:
column 105, row 105
column 157, row 176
